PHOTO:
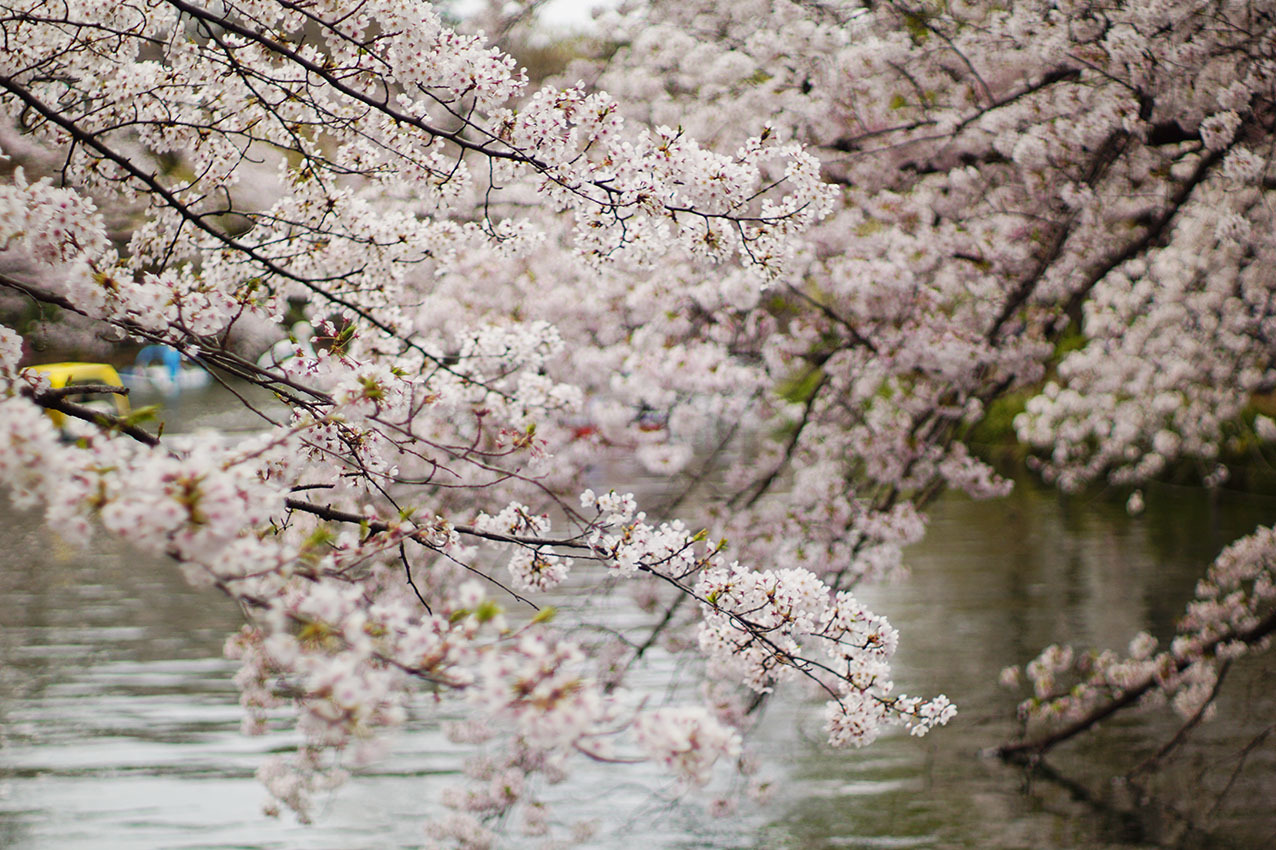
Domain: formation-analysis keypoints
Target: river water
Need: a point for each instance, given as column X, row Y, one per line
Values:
column 119, row 727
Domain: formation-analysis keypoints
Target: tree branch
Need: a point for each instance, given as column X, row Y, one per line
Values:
column 1036, row 747
column 52, row 400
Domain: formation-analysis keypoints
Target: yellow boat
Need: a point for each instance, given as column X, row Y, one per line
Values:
column 70, row 374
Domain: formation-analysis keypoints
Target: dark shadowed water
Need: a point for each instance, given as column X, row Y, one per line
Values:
column 119, row 727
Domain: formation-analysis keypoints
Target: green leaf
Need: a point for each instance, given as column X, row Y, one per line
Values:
column 918, row 31
column 488, row 610
column 141, row 414
column 800, row 388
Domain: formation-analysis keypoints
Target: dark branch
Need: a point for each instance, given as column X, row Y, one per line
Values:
column 53, row 401
column 1034, row 748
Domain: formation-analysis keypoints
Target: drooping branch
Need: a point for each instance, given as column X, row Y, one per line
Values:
column 1034, row 748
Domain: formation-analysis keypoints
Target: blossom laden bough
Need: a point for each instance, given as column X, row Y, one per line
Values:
column 217, row 167
column 1232, row 615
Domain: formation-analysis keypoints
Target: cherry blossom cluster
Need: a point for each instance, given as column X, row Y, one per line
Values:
column 687, row 740
column 755, row 627
column 388, row 93
column 759, row 628
column 1176, row 348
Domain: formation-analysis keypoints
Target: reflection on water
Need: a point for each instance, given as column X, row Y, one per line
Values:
column 119, row 726
column 994, row 583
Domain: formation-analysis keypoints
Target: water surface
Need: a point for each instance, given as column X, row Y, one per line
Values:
column 119, row 727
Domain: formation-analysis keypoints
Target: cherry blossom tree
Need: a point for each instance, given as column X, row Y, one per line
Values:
column 1063, row 202
column 787, row 255
column 183, row 174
